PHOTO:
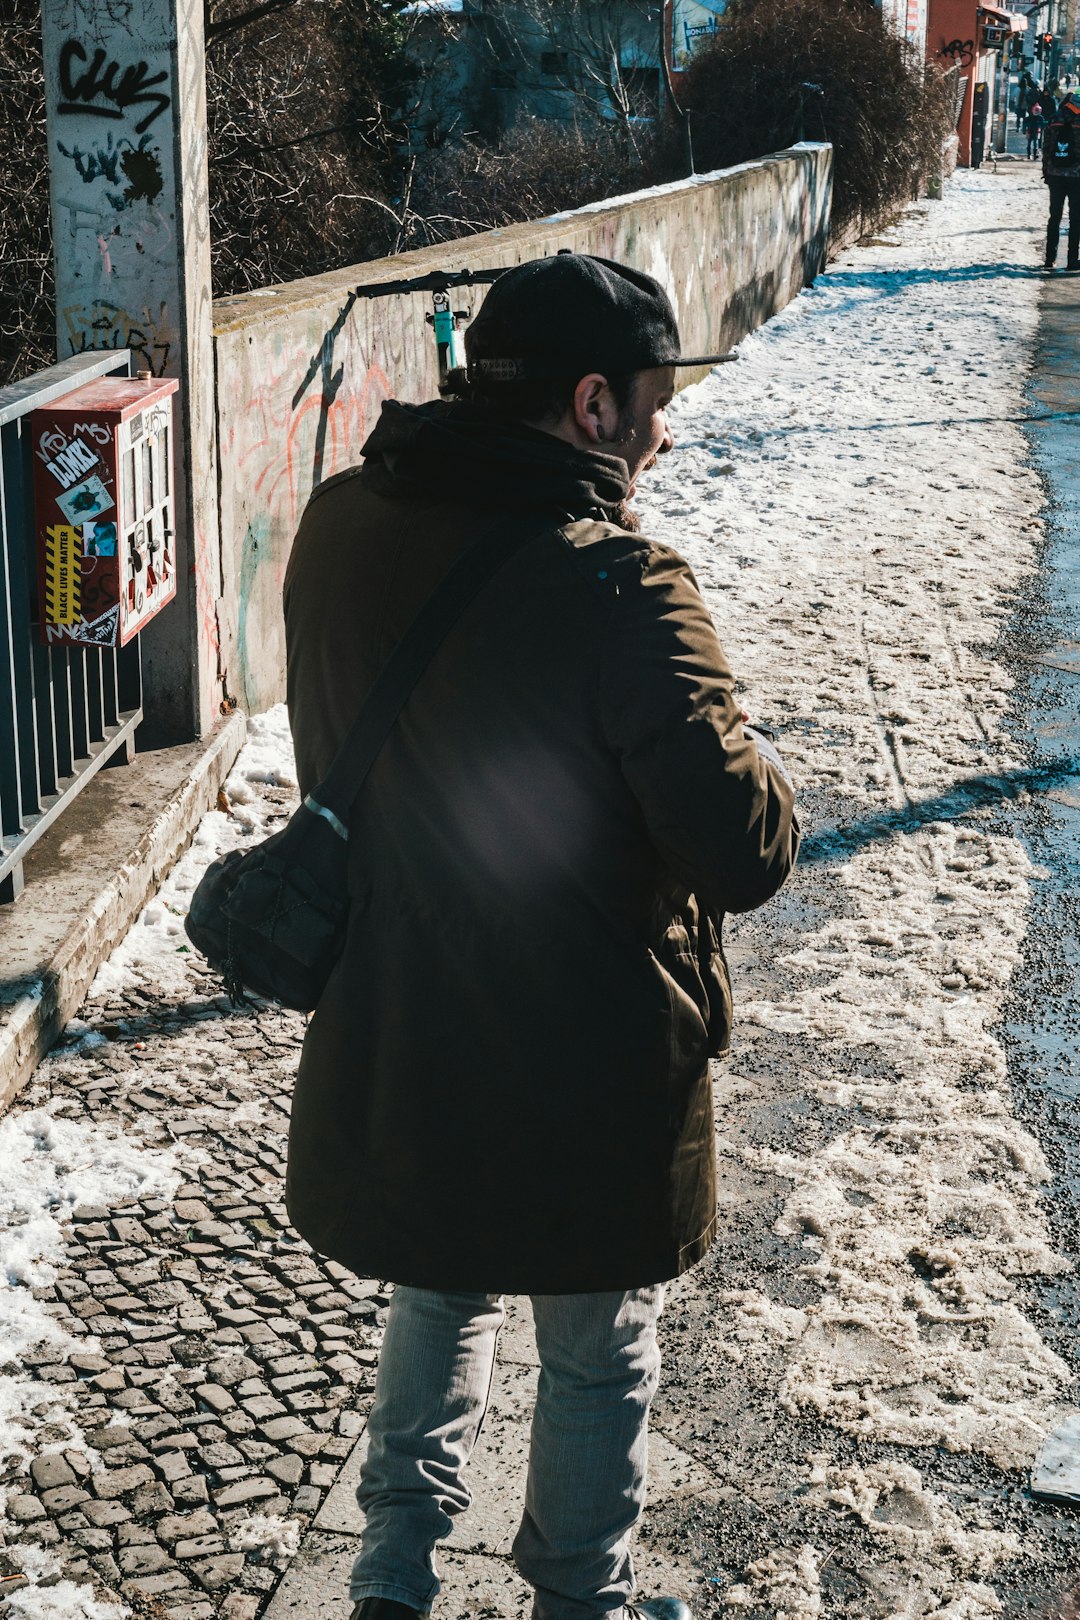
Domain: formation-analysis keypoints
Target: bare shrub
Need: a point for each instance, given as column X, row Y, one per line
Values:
column 537, row 168
column 27, row 332
column 780, row 71
column 303, row 153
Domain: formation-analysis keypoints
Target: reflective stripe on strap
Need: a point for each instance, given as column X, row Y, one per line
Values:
column 318, row 809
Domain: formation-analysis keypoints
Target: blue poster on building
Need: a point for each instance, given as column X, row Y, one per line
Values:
column 692, row 21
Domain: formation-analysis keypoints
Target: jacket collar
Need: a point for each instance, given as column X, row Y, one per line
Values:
column 468, row 452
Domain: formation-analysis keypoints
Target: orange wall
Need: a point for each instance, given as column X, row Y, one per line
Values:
column 952, row 20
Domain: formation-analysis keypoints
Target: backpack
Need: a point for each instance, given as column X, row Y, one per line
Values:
column 1062, row 142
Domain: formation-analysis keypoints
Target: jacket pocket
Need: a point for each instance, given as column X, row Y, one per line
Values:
column 713, row 969
column 687, row 1034
column 693, row 963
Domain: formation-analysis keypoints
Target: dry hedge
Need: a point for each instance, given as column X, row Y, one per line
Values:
column 26, row 272
column 310, row 170
column 780, row 71
column 535, row 169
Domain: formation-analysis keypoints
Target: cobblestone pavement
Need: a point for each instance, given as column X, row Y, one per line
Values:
column 858, row 1375
column 233, row 1366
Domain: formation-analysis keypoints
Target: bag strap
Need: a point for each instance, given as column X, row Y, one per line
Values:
column 334, row 797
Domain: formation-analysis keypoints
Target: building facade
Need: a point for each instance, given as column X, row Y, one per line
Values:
column 973, row 43
column 909, row 18
column 489, row 63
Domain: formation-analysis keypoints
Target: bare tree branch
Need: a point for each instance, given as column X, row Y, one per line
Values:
column 216, row 31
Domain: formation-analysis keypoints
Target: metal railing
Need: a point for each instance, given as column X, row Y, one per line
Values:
column 63, row 712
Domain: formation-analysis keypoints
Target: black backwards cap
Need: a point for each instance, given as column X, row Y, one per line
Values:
column 565, row 316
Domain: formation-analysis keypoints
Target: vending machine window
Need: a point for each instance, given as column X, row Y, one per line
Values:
column 104, row 508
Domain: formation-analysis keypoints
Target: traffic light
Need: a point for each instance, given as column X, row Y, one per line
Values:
column 1047, row 43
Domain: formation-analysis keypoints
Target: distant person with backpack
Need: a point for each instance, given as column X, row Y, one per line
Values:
column 1061, row 172
column 1033, row 129
column 1025, row 95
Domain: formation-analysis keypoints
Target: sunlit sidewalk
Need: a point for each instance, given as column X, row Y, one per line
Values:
column 855, row 1381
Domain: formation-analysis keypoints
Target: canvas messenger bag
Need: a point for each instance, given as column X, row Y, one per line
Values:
column 272, row 919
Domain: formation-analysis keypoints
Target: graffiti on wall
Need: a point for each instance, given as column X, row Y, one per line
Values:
column 104, row 325
column 295, row 443
column 96, row 86
column 121, row 163
column 960, row 52
column 109, row 101
column 309, row 402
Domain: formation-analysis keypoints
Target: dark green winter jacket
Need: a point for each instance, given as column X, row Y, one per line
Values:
column 505, row 1086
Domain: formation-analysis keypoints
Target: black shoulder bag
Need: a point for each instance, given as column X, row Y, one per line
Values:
column 273, row 918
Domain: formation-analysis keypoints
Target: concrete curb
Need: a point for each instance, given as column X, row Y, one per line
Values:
column 56, row 936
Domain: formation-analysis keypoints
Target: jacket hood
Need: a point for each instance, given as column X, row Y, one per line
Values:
column 442, row 447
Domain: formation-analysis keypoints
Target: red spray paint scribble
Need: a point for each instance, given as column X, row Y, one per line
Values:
column 282, row 447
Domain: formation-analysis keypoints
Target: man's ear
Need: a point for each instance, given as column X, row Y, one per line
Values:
column 594, row 408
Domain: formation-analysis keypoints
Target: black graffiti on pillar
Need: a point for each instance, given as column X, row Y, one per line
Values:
column 107, row 326
column 962, row 51
column 99, row 87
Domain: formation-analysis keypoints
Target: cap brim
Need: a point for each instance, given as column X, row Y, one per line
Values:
column 703, row 359
column 530, row 370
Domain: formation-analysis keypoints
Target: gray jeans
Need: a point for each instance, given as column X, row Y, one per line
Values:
column 599, row 1365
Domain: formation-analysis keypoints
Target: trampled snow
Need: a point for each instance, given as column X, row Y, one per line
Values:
column 64, row 1600
column 155, row 949
column 267, row 1534
column 854, row 499
column 48, row 1167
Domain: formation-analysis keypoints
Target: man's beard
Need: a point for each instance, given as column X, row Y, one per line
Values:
column 625, row 516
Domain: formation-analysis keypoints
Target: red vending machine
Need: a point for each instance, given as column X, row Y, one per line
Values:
column 103, row 495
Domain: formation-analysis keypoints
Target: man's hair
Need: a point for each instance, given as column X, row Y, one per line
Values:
column 532, row 399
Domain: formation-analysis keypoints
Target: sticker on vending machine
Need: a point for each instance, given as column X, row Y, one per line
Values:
column 63, row 575
column 85, row 501
column 99, row 539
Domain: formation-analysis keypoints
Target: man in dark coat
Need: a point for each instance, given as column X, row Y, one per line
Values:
column 505, row 1088
column 1061, row 172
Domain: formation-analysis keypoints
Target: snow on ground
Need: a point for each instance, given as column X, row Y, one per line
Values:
column 62, row 1601
column 267, row 1534
column 853, row 497
column 153, row 952
column 50, row 1165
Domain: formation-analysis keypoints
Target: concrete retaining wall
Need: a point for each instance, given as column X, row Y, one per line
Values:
column 302, row 369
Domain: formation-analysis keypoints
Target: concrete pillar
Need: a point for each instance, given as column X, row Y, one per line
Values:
column 126, row 103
